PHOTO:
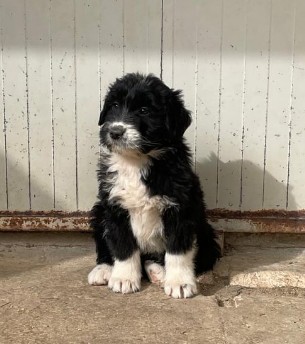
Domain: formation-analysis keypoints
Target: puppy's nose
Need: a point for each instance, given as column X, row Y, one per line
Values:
column 117, row 131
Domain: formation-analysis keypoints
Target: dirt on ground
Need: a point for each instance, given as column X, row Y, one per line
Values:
column 45, row 298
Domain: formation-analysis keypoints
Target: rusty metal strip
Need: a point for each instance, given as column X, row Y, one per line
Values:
column 264, row 221
column 259, row 214
column 44, row 221
column 222, row 220
column 259, row 225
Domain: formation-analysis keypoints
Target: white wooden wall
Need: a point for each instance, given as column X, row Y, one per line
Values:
column 240, row 63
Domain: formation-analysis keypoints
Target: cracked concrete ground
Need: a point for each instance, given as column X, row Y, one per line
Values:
column 45, row 298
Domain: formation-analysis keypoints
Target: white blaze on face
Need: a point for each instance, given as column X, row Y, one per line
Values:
column 131, row 135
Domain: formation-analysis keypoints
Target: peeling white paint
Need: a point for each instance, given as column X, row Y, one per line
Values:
column 240, row 64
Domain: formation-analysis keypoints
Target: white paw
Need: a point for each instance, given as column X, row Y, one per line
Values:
column 180, row 279
column 180, row 290
column 155, row 272
column 100, row 275
column 126, row 275
column 124, row 286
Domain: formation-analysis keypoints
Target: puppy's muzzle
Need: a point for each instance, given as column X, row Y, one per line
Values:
column 116, row 131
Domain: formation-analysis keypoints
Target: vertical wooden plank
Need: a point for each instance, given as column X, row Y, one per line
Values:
column 209, row 69
column 87, row 98
column 154, row 31
column 180, row 54
column 233, row 60
column 111, row 44
column 15, row 84
column 296, row 195
column 3, row 185
column 256, row 74
column 63, row 103
column 281, row 56
column 142, row 36
column 39, row 103
column 168, row 42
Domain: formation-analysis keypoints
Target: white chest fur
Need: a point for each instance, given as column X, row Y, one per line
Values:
column 145, row 211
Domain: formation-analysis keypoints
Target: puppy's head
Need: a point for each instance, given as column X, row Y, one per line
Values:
column 141, row 113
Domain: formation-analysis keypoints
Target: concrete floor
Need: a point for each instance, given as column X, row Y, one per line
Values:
column 45, row 298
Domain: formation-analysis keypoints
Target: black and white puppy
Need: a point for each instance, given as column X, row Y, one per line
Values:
column 150, row 211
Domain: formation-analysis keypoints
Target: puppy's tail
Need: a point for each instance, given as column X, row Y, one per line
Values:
column 209, row 250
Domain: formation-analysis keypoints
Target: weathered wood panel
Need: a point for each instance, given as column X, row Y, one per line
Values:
column 3, row 184
column 231, row 103
column 39, row 104
column 63, row 103
column 279, row 103
column 208, row 96
column 239, row 63
column 87, row 99
column 142, row 36
column 111, row 45
column 14, row 60
column 257, row 60
column 296, row 177
column 180, row 54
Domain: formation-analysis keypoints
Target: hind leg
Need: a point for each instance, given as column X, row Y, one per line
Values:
column 154, row 271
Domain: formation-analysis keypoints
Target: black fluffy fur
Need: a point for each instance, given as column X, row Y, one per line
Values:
column 162, row 126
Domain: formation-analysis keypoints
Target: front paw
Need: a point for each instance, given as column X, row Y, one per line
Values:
column 179, row 289
column 126, row 275
column 100, row 275
column 124, row 285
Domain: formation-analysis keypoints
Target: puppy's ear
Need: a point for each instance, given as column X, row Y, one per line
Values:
column 178, row 117
column 103, row 114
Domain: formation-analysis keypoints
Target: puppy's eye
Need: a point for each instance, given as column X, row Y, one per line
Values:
column 144, row 110
column 115, row 104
